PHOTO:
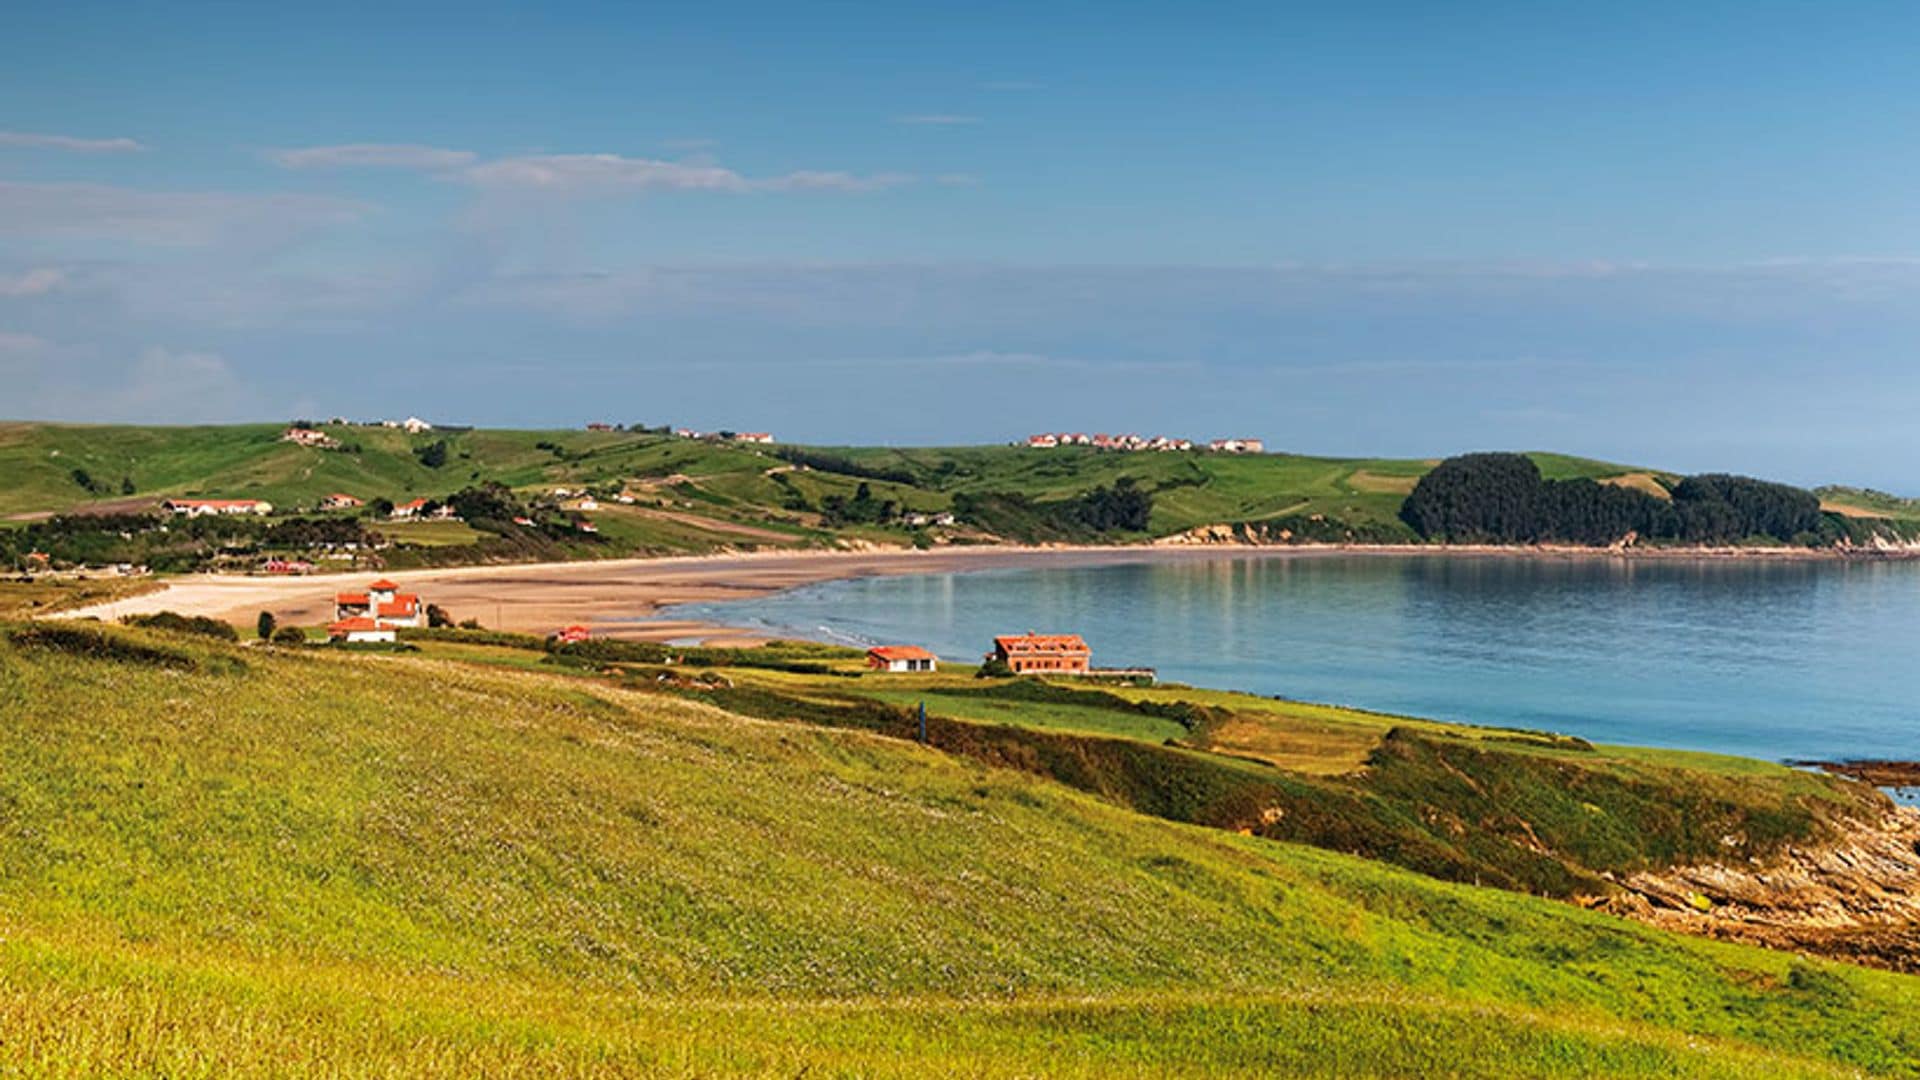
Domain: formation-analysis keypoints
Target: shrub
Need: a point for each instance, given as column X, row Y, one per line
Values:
column 175, row 623
column 289, row 635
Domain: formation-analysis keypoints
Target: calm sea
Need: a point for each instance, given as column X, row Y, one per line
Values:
column 1767, row 659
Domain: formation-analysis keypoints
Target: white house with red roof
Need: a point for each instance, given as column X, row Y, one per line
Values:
column 376, row 614
column 901, row 658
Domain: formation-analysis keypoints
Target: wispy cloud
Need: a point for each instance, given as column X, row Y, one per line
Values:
column 73, row 143
column 36, row 282
column 374, row 155
column 614, row 174
column 164, row 217
column 937, row 119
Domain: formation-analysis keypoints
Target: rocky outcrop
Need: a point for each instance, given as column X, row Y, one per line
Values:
column 1855, row 899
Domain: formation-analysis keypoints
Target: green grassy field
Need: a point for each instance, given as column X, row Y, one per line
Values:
column 713, row 490
column 216, row 860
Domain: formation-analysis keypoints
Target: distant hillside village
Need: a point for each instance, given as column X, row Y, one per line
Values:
column 1162, row 443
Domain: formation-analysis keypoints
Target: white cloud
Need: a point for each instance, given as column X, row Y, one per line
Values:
column 937, row 120
column 31, row 140
column 374, row 155
column 587, row 174
column 35, row 282
column 164, row 217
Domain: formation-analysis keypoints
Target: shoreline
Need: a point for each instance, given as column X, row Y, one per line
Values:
column 629, row 598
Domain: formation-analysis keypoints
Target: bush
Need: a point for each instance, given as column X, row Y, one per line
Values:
column 994, row 668
column 175, row 623
column 289, row 635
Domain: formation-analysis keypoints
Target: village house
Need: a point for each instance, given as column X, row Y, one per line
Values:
column 313, row 437
column 287, row 566
column 202, row 507
column 360, row 630
column 598, row 426
column 901, row 658
column 1044, row 654
column 572, row 635
column 339, row 501
column 1238, row 446
column 753, row 437
column 914, row 519
column 376, row 614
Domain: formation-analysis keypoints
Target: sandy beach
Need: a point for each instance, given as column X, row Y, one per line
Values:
column 626, row 597
column 611, row 597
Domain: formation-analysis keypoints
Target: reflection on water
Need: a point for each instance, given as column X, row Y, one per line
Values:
column 1773, row 659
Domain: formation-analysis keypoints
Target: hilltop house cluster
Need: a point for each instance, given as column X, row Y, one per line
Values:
column 761, row 437
column 1163, row 443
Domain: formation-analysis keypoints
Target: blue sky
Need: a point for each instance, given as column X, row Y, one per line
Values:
column 1685, row 238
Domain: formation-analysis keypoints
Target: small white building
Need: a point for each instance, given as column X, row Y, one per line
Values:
column 901, row 658
column 201, row 507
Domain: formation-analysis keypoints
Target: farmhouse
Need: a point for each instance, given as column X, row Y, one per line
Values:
column 202, row 507
column 901, row 658
column 306, row 436
column 340, row 501
column 359, row 629
column 1031, row 653
column 572, row 635
column 384, row 603
column 754, row 437
column 1238, row 446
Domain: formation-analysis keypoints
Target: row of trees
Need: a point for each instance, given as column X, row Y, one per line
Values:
column 1502, row 498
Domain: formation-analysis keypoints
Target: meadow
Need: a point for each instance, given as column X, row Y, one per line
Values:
column 221, row 860
column 697, row 494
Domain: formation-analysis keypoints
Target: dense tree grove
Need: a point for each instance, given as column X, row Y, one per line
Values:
column 1124, row 507
column 1501, row 498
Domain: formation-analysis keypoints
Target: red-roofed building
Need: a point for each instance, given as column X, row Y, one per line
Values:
column 1042, row 654
column 572, row 635
column 340, row 501
column 384, row 604
column 359, row 629
column 901, row 658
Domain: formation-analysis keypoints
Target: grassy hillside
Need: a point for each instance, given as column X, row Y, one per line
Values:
column 706, row 481
column 217, row 860
column 1530, row 811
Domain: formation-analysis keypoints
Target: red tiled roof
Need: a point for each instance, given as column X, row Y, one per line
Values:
column 352, row 599
column 1041, row 643
column 403, row 604
column 383, row 585
column 900, row 652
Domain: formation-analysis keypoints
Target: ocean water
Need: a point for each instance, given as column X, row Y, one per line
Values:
column 1778, row 660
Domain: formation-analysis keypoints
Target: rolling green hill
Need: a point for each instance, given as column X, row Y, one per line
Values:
column 657, row 494
column 217, row 860
column 728, row 482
